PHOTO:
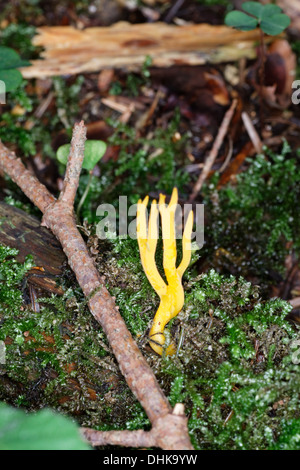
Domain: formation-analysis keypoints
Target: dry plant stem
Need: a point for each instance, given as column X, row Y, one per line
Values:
column 255, row 139
column 59, row 218
column 214, row 151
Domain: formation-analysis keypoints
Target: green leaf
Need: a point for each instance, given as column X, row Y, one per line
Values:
column 275, row 24
column 43, row 430
column 93, row 152
column 254, row 8
column 10, row 59
column 12, row 78
column 270, row 10
column 238, row 19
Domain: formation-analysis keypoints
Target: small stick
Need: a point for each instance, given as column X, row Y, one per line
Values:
column 75, row 160
column 174, row 9
column 295, row 302
column 255, row 139
column 214, row 151
column 138, row 438
column 228, row 156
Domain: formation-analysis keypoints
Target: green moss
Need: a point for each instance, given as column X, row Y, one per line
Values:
column 19, row 37
column 58, row 357
column 12, row 129
column 233, row 370
column 250, row 223
column 67, row 101
column 135, row 171
column 24, row 9
column 215, row 2
column 119, row 261
column 11, row 276
column 289, row 438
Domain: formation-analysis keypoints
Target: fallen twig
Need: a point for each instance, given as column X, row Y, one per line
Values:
column 169, row 429
column 138, row 438
column 255, row 139
column 236, row 163
column 214, row 151
column 295, row 302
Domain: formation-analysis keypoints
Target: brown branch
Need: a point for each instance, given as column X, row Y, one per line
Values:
column 119, row 438
column 25, row 180
column 153, row 438
column 214, row 151
column 74, row 165
column 170, row 429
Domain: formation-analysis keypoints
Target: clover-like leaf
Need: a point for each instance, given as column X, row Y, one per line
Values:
column 12, row 78
column 275, row 24
column 268, row 17
column 253, row 8
column 240, row 20
column 270, row 10
column 9, row 61
column 93, row 152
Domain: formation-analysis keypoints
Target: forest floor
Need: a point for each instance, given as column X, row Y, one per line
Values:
column 242, row 306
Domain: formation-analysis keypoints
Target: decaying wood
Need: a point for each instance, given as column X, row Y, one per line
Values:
column 24, row 232
column 72, row 51
column 170, row 429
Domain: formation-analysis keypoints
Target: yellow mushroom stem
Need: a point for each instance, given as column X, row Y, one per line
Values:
column 171, row 294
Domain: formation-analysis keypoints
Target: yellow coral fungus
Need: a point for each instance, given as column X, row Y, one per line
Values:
column 171, row 294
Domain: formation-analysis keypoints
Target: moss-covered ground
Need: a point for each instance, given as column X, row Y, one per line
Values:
column 237, row 363
column 235, row 369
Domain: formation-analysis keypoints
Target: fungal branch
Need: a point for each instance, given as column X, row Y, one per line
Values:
column 171, row 293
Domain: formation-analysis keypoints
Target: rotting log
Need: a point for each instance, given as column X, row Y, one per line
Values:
column 24, row 232
column 72, row 51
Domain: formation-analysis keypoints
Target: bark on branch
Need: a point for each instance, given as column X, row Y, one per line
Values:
column 175, row 424
column 169, row 430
